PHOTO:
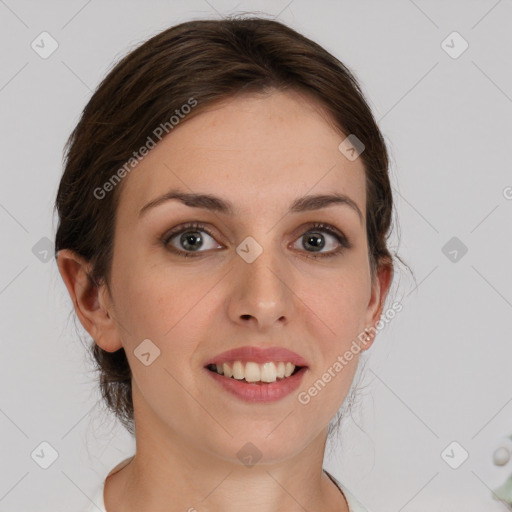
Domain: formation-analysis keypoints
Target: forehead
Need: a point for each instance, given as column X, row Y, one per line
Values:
column 251, row 149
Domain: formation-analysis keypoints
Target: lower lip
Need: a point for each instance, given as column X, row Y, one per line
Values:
column 259, row 392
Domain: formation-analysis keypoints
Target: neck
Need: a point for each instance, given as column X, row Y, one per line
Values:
column 172, row 472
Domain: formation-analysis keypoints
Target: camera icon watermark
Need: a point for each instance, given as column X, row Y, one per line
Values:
column 44, row 45
column 351, row 147
column 249, row 454
column 454, row 249
column 44, row 455
column 454, row 45
column 249, row 249
column 146, row 352
column 454, row 455
column 43, row 249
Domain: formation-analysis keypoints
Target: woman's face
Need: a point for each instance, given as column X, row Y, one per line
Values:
column 251, row 277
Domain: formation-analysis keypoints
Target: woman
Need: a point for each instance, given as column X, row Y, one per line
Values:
column 223, row 217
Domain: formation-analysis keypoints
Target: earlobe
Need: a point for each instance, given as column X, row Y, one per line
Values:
column 88, row 300
column 378, row 296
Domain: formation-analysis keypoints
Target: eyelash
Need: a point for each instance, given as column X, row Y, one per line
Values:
column 197, row 226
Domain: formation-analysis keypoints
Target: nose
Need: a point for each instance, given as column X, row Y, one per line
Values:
column 261, row 292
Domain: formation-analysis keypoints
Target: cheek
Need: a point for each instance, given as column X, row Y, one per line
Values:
column 336, row 307
column 167, row 307
column 334, row 314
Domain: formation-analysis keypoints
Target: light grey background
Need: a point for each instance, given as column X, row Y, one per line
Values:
column 438, row 373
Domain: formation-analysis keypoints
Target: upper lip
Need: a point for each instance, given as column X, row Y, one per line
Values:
column 258, row 355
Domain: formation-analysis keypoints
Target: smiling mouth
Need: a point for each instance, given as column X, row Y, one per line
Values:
column 255, row 373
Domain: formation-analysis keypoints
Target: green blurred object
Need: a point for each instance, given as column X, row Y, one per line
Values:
column 504, row 492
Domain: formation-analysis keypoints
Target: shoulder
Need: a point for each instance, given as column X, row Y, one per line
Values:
column 98, row 503
column 121, row 465
column 353, row 503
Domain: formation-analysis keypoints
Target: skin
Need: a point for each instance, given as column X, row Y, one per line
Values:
column 260, row 152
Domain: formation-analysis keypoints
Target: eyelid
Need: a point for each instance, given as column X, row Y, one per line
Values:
column 325, row 227
column 343, row 241
column 341, row 238
column 188, row 226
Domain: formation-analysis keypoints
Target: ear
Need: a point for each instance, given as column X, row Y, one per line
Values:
column 379, row 293
column 91, row 302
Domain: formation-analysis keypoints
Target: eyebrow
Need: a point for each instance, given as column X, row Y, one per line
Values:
column 216, row 204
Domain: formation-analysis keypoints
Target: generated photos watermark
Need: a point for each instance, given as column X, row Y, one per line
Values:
column 304, row 397
column 158, row 133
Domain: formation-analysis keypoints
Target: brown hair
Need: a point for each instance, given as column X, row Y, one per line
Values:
column 208, row 60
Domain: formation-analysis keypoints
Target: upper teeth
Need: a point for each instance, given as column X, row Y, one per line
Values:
column 254, row 372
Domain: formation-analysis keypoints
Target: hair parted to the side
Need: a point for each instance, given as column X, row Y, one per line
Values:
column 210, row 61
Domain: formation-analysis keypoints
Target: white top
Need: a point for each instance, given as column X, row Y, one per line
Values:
column 354, row 505
column 98, row 504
